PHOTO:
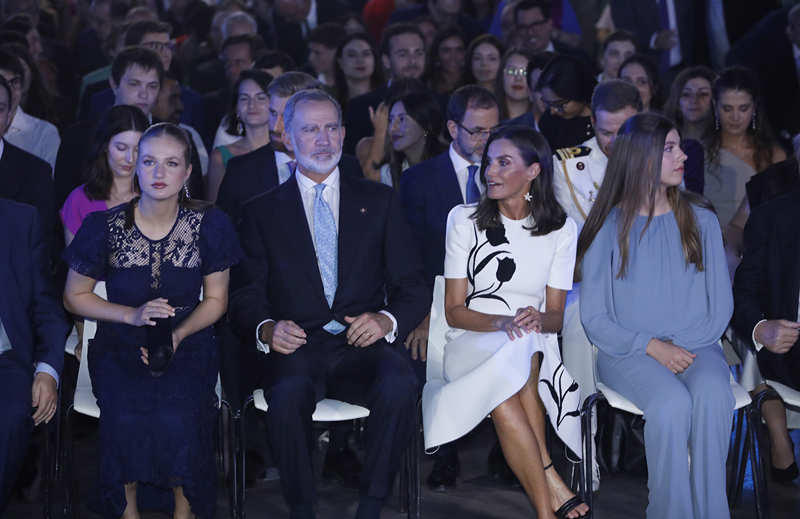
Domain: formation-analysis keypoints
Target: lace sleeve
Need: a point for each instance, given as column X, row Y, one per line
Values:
column 219, row 242
column 87, row 254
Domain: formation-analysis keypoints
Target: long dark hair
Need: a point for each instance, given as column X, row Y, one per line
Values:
column 180, row 135
column 426, row 111
column 262, row 79
column 546, row 212
column 473, row 45
column 339, row 79
column 434, row 64
column 762, row 138
column 121, row 118
column 672, row 108
column 650, row 68
column 632, row 180
column 499, row 89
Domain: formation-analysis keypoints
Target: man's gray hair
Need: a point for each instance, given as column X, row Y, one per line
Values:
column 238, row 17
column 304, row 96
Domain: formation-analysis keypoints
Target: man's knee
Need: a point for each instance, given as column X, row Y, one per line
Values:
column 291, row 395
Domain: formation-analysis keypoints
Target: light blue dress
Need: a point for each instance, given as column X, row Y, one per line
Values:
column 661, row 297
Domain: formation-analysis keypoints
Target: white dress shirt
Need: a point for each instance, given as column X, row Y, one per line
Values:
column 461, row 165
column 282, row 161
column 331, row 196
column 35, row 136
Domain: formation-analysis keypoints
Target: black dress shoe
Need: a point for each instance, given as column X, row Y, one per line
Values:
column 446, row 469
column 499, row 469
column 342, row 465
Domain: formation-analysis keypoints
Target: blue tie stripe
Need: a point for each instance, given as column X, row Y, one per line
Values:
column 473, row 193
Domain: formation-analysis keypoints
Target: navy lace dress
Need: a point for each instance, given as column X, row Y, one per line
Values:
column 155, row 431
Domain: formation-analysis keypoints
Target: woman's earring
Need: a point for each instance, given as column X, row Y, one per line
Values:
column 239, row 127
column 186, row 191
column 754, row 120
column 527, row 197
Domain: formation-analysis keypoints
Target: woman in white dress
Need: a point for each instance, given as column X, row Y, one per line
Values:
column 509, row 264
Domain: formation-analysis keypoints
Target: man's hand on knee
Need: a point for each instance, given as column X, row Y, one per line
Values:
column 44, row 397
column 283, row 336
column 367, row 328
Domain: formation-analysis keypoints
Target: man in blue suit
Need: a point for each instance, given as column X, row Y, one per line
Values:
column 33, row 328
column 330, row 283
column 429, row 191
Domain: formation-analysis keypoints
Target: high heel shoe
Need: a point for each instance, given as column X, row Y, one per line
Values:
column 785, row 475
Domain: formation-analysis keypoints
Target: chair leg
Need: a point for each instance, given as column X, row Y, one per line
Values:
column 759, row 482
column 586, row 437
column 240, row 446
column 414, row 482
column 739, row 457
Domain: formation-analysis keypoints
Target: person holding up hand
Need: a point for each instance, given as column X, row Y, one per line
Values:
column 766, row 293
column 655, row 300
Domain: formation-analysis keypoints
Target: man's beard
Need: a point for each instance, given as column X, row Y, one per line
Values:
column 319, row 167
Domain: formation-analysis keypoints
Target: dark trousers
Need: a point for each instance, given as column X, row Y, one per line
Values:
column 15, row 422
column 783, row 367
column 378, row 377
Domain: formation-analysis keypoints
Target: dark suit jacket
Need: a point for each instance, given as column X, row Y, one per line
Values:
column 469, row 25
column 767, row 50
column 29, row 308
column 356, row 117
column 767, row 282
column 641, row 17
column 288, row 35
column 428, row 191
column 774, row 181
column 252, row 174
column 378, row 266
column 26, row 178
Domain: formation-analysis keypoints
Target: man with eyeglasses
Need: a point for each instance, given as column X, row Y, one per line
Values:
column 533, row 28
column 156, row 37
column 428, row 192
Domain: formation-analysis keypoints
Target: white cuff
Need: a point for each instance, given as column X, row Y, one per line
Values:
column 392, row 335
column 261, row 346
column 653, row 40
column 43, row 367
column 757, row 344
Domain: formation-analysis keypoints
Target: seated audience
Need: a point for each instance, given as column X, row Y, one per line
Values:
column 446, row 60
column 641, row 72
column 658, row 336
column 483, row 62
column 109, row 181
column 357, row 70
column 248, row 118
column 411, row 125
column 534, row 30
column 39, row 100
column 441, row 13
column 618, row 47
column 275, row 63
column 502, row 345
column 514, row 95
column 292, row 21
column 37, row 137
column 32, row 334
column 566, row 86
column 689, row 103
column 322, row 44
column 766, row 309
column 155, row 253
column 330, row 335
column 537, row 107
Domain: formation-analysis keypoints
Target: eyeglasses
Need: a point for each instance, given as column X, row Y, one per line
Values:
column 516, row 71
column 477, row 132
column 160, row 46
column 558, row 105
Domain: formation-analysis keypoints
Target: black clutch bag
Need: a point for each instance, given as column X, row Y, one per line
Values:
column 159, row 346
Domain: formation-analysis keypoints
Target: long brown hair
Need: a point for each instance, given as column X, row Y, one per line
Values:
column 632, row 180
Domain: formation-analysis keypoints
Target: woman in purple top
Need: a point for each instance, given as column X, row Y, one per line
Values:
column 110, row 177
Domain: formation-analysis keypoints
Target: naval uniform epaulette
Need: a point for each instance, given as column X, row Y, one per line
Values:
column 573, row 152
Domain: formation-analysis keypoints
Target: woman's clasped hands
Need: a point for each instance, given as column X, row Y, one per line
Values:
column 526, row 320
column 674, row 358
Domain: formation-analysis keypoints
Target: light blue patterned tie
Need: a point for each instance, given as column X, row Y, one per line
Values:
column 473, row 193
column 327, row 252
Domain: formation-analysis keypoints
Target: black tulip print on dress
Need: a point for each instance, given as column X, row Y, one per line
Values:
column 506, row 267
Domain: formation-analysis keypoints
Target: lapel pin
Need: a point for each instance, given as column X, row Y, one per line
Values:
column 363, row 210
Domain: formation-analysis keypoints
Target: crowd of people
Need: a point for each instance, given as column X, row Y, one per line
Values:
column 272, row 188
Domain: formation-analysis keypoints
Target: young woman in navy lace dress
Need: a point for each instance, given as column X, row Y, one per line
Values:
column 155, row 253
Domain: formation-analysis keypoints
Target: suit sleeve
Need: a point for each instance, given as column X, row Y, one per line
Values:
column 749, row 284
column 249, row 304
column 413, row 205
column 408, row 297
column 50, row 325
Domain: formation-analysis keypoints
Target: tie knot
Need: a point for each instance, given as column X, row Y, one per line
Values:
column 472, row 169
column 319, row 188
column 292, row 165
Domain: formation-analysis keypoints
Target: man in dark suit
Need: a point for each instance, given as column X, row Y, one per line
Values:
column 771, row 49
column 33, row 328
column 443, row 13
column 766, row 295
column 292, row 20
column 25, row 177
column 331, row 279
column 254, row 173
column 429, row 191
column 533, row 25
column 403, row 54
column 665, row 27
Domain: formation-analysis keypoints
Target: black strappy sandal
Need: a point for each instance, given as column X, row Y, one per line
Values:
column 568, row 505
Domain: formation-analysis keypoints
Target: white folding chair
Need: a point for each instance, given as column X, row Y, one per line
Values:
column 84, row 402
column 743, row 404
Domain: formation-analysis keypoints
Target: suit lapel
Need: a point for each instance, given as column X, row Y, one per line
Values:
column 10, row 184
column 449, row 181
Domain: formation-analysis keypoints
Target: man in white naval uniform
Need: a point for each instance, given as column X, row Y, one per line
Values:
column 579, row 172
